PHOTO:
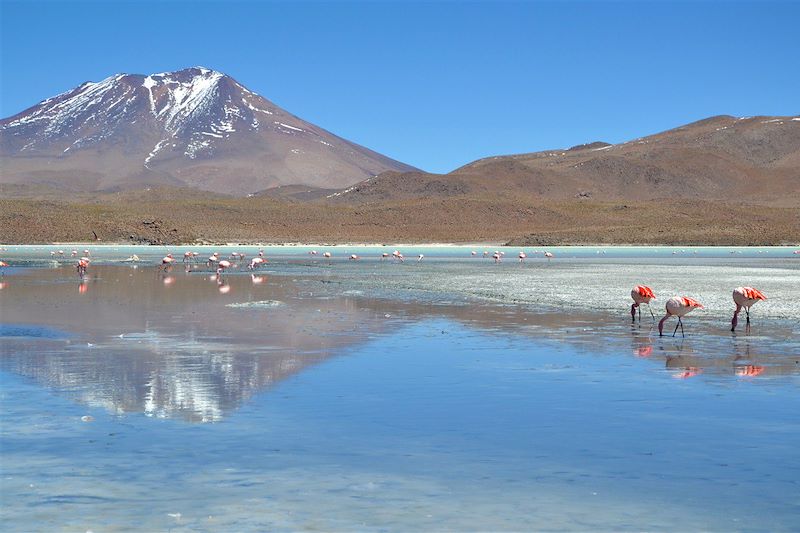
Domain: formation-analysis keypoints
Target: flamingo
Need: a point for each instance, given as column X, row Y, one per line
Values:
column 60, row 252
column 221, row 266
column 473, row 253
column 313, row 252
column 522, row 256
column 213, row 258
column 354, row 257
column 549, row 255
column 679, row 306
column 86, row 253
column 745, row 297
column 82, row 266
column 73, row 253
column 188, row 256
column 496, row 257
column 327, row 255
column 485, row 253
column 3, row 264
column 256, row 262
column 641, row 294
column 167, row 261
column 420, row 257
column 384, row 256
column 261, row 253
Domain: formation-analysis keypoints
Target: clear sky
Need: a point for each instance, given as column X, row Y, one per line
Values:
column 435, row 85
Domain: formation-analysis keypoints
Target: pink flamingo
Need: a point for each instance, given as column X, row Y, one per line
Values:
column 384, row 256
column 188, row 256
column 327, row 255
column 213, row 258
column 221, row 266
column 522, row 256
column 167, row 261
column 313, row 252
column 261, row 253
column 473, row 253
column 641, row 294
column 3, row 264
column 82, row 266
column 485, row 253
column 496, row 257
column 745, row 297
column 354, row 257
column 256, row 262
column 549, row 255
column 420, row 257
column 73, row 253
column 678, row 306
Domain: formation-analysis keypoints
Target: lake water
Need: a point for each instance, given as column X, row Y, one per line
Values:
column 450, row 393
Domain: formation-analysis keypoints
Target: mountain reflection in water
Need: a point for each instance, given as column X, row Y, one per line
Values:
column 189, row 345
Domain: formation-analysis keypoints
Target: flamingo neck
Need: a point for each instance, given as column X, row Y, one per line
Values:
column 661, row 324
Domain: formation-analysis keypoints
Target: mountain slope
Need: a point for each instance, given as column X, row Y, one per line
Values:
column 752, row 159
column 195, row 127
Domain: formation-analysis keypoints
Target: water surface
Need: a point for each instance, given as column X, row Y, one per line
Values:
column 446, row 394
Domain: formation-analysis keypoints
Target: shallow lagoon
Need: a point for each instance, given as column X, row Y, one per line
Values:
column 450, row 394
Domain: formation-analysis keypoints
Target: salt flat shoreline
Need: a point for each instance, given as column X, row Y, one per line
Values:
column 444, row 245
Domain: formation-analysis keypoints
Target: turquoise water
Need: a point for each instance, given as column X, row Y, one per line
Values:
column 451, row 394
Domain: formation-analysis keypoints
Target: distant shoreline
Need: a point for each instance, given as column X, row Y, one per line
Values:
column 482, row 245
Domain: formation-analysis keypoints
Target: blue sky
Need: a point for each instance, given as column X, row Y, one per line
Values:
column 435, row 85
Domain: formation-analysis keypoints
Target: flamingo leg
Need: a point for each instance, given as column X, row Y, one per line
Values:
column 640, row 314
column 681, row 323
column 651, row 312
column 747, row 314
column 676, row 327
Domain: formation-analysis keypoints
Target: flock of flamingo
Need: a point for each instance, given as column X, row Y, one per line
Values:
column 678, row 306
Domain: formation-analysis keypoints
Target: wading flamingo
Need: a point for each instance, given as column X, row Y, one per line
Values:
column 3, row 264
column 167, row 261
column 82, row 266
column 327, row 255
column 213, row 258
column 496, row 257
column 421, row 257
column 678, row 306
column 384, row 256
column 188, row 256
column 354, row 257
column 641, row 294
column 522, row 256
column 548, row 255
column 745, row 297
column 221, row 266
column 256, row 262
